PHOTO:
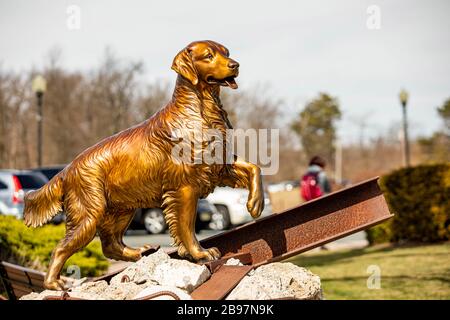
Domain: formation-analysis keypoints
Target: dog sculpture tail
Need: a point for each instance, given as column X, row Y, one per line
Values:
column 43, row 204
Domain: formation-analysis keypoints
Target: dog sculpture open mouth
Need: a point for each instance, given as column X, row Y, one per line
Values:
column 226, row 82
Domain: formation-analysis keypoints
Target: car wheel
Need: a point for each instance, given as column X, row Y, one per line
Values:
column 221, row 219
column 58, row 219
column 154, row 221
column 198, row 227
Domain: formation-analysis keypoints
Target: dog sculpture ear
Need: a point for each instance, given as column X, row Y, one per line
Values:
column 182, row 64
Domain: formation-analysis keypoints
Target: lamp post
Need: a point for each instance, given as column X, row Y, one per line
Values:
column 39, row 85
column 404, row 100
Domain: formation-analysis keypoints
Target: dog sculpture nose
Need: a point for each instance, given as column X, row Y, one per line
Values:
column 233, row 64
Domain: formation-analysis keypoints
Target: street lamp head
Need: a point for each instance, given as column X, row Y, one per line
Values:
column 403, row 97
column 39, row 85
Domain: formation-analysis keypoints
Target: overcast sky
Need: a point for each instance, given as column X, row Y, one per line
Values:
column 298, row 48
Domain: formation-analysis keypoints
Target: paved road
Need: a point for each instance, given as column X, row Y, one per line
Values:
column 137, row 238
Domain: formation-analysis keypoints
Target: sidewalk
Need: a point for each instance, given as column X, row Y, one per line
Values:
column 354, row 241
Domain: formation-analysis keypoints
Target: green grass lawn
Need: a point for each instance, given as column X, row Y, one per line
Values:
column 407, row 272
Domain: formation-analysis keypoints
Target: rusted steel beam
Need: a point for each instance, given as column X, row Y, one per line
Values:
column 302, row 228
column 221, row 283
column 307, row 226
column 243, row 257
column 107, row 277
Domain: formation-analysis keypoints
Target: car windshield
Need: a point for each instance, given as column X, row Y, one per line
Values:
column 50, row 173
column 29, row 181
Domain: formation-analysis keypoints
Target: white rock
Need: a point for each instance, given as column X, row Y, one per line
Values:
column 233, row 262
column 41, row 295
column 96, row 287
column 79, row 295
column 78, row 282
column 181, row 274
column 142, row 271
column 159, row 269
column 154, row 289
column 31, row 296
column 88, row 296
column 278, row 280
column 90, row 290
column 123, row 291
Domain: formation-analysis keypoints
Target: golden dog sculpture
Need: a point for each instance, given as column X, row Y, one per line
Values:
column 100, row 190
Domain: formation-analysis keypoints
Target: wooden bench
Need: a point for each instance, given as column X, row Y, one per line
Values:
column 19, row 281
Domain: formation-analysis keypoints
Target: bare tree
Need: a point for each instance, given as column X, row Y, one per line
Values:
column 155, row 96
column 14, row 120
column 113, row 88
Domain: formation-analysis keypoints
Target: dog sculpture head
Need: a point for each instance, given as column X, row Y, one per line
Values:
column 207, row 62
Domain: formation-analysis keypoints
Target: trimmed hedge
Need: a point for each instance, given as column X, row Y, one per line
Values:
column 420, row 199
column 33, row 247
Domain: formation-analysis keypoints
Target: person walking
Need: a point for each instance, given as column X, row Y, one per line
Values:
column 314, row 183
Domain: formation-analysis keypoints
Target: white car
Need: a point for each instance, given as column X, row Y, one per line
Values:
column 231, row 204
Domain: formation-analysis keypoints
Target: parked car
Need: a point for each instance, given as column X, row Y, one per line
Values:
column 232, row 206
column 13, row 186
column 49, row 171
column 152, row 219
column 5, row 209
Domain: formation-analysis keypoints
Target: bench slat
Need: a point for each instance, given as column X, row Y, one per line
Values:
column 20, row 273
column 31, row 272
column 38, row 287
column 24, row 280
column 20, row 290
column 20, row 280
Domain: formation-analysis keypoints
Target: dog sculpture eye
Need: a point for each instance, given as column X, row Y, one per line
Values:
column 209, row 56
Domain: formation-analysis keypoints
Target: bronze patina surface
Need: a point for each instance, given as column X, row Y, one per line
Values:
column 101, row 188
